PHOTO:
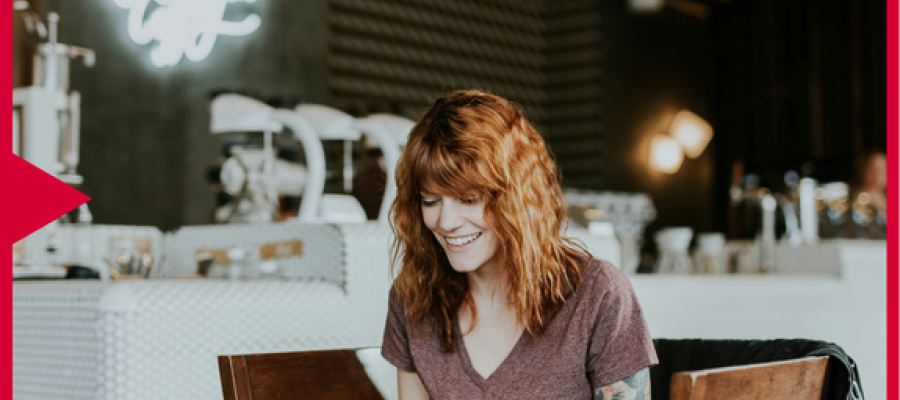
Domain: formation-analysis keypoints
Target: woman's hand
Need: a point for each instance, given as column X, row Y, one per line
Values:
column 410, row 387
column 634, row 387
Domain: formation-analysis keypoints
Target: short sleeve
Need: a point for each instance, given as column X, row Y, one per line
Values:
column 395, row 345
column 621, row 344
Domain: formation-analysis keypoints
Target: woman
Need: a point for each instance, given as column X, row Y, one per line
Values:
column 490, row 301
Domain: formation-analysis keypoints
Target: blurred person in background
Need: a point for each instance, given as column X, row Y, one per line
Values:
column 490, row 299
column 868, row 197
column 872, row 179
column 370, row 181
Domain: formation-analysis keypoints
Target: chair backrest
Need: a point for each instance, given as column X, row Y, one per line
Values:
column 799, row 379
column 326, row 374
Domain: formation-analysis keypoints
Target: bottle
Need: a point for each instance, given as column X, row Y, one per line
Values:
column 236, row 258
column 809, row 224
column 83, row 239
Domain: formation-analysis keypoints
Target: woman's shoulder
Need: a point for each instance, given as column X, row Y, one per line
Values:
column 601, row 275
column 395, row 298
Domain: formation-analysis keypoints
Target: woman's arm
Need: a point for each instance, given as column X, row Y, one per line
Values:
column 410, row 387
column 635, row 387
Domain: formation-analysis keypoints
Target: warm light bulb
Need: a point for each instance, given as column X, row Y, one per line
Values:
column 693, row 132
column 665, row 154
column 645, row 6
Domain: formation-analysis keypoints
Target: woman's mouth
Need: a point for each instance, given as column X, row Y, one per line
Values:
column 463, row 240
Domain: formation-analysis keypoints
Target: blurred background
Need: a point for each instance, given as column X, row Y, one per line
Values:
column 786, row 85
column 237, row 151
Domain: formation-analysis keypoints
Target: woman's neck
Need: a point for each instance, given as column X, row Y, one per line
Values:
column 489, row 297
column 486, row 283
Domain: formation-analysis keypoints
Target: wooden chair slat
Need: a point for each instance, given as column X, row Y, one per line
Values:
column 800, row 379
column 225, row 375
column 328, row 374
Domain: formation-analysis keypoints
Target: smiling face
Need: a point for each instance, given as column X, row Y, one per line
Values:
column 504, row 242
column 460, row 227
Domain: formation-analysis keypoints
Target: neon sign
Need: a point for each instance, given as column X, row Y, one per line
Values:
column 183, row 27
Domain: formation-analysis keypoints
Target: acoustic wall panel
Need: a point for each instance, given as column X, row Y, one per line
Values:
column 402, row 54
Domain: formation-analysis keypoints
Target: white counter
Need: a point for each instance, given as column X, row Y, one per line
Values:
column 848, row 308
column 159, row 339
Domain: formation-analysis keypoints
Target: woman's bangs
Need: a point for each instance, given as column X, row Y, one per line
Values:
column 442, row 172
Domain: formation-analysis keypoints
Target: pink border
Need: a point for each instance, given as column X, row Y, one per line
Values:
column 6, row 255
column 893, row 377
column 893, row 306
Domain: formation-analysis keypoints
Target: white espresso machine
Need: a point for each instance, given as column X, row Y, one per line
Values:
column 46, row 115
column 46, row 120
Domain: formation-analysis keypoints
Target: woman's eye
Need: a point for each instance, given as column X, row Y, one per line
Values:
column 428, row 202
column 471, row 200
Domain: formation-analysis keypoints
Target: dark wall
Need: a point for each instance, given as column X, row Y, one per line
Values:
column 543, row 55
column 786, row 84
column 809, row 86
column 653, row 66
column 146, row 141
column 145, row 130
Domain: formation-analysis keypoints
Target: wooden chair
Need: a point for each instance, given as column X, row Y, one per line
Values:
column 328, row 374
column 800, row 379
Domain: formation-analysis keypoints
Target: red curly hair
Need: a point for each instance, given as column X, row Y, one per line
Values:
column 475, row 144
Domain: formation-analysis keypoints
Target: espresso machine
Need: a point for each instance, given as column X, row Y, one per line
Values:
column 46, row 121
column 46, row 115
column 252, row 175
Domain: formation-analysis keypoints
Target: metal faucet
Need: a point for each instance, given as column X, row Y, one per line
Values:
column 767, row 240
column 791, row 220
column 768, row 237
column 768, row 205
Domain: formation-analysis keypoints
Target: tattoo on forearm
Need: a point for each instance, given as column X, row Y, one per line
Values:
column 610, row 394
column 640, row 381
column 634, row 387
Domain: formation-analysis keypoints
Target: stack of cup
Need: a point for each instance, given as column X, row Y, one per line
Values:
column 708, row 257
column 673, row 250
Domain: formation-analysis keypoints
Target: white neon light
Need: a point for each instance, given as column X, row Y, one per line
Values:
column 183, row 27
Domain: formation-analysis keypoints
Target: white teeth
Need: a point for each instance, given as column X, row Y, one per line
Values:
column 462, row 240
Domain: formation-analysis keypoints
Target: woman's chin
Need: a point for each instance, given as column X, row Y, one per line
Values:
column 463, row 267
column 470, row 265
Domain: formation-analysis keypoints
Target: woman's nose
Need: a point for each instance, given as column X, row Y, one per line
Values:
column 451, row 217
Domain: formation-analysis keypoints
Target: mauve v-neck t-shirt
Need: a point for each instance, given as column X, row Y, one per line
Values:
column 599, row 337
